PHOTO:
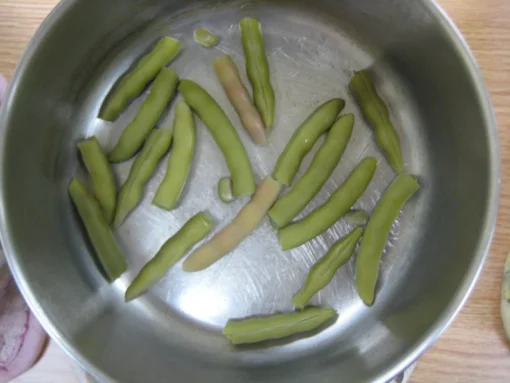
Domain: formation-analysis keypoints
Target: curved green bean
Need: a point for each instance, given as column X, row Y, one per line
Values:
column 257, row 69
column 193, row 231
column 325, row 269
column 142, row 169
column 338, row 204
column 289, row 206
column 223, row 133
column 179, row 161
column 259, row 329
column 225, row 190
column 205, row 37
column 103, row 182
column 98, row 230
column 376, row 113
column 357, row 217
column 239, row 97
column 148, row 115
column 304, row 139
column 136, row 81
column 377, row 232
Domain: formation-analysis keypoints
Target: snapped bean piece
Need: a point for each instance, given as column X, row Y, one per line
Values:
column 257, row 69
column 241, row 226
column 142, row 169
column 224, row 134
column 205, row 37
column 136, row 81
column 239, row 97
column 324, row 270
column 338, row 204
column 98, row 231
column 180, row 159
column 376, row 113
column 357, row 217
column 505, row 298
column 103, row 182
column 193, row 231
column 290, row 205
column 377, row 232
column 148, row 115
column 304, row 139
column 259, row 329
column 225, row 190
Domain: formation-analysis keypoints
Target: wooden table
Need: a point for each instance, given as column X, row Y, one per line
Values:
column 474, row 348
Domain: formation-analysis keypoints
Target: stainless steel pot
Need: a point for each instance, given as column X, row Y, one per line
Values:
column 440, row 107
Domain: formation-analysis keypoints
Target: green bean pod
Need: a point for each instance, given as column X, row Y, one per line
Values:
column 338, row 204
column 324, row 270
column 103, row 182
column 142, row 169
column 98, row 230
column 180, row 159
column 304, row 138
column 377, row 233
column 193, row 231
column 225, row 190
column 136, row 81
column 290, row 205
column 259, row 329
column 205, row 37
column 257, row 69
column 376, row 113
column 148, row 115
column 224, row 134
column 357, row 217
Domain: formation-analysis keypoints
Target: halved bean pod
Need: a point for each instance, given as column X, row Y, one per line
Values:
column 103, row 182
column 338, row 204
column 241, row 226
column 193, row 231
column 98, row 230
column 136, row 80
column 205, row 37
column 304, row 139
column 239, row 97
column 223, row 133
column 259, row 329
column 225, row 190
column 357, row 217
column 142, row 169
column 180, row 159
column 325, row 269
column 148, row 115
column 290, row 205
column 377, row 232
column 257, row 69
column 376, row 113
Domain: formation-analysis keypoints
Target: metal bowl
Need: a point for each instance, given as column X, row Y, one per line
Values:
column 440, row 108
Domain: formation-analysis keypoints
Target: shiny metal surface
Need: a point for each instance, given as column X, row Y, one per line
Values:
column 440, row 108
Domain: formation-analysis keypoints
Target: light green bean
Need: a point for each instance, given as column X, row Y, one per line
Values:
column 136, row 81
column 377, row 232
column 225, row 190
column 257, row 69
column 142, row 169
column 376, row 113
column 103, row 182
column 289, row 206
column 357, row 217
column 223, row 133
column 179, row 161
column 259, row 329
column 136, row 132
column 338, row 204
column 98, row 230
column 205, row 37
column 193, row 231
column 324, row 270
column 304, row 139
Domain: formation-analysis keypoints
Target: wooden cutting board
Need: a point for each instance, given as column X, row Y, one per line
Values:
column 474, row 348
